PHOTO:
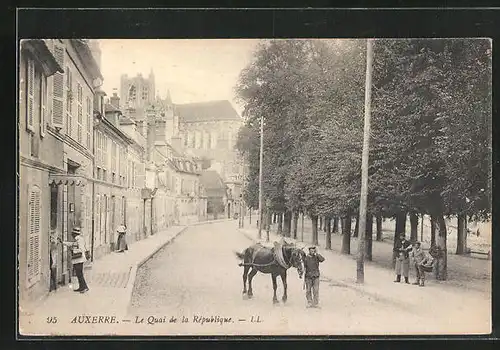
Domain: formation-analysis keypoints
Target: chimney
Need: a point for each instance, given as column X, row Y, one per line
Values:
column 115, row 100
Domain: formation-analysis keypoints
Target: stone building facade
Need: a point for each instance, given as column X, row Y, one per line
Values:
column 56, row 112
column 209, row 131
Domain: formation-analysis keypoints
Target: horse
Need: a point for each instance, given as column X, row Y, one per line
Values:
column 275, row 261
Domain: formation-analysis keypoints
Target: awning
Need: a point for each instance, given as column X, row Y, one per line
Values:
column 67, row 179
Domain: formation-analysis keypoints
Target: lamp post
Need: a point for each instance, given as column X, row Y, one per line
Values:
column 364, row 165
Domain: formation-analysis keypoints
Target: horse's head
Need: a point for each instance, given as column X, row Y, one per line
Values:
column 297, row 260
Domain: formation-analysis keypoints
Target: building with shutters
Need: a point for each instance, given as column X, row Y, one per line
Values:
column 56, row 115
column 111, row 181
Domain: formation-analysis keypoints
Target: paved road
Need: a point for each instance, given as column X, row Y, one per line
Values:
column 198, row 276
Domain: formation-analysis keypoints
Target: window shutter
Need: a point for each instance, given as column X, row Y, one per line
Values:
column 30, row 80
column 58, row 89
column 43, row 102
column 34, row 235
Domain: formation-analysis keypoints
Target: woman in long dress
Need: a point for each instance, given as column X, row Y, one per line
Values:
column 122, row 241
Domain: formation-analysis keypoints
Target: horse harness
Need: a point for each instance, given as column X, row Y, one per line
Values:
column 278, row 257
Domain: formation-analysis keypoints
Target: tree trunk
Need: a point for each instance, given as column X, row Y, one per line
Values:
column 379, row 227
column 462, row 234
column 251, row 215
column 414, row 227
column 346, row 235
column 369, row 237
column 280, row 224
column 400, row 228
column 328, row 233
column 288, row 223
column 302, row 229
column 268, row 222
column 433, row 231
column 320, row 223
column 356, row 228
column 335, row 228
column 295, row 223
column 314, row 219
column 441, row 268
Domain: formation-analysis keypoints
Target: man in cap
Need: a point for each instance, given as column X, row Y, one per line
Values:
column 422, row 261
column 311, row 264
column 402, row 250
column 78, row 257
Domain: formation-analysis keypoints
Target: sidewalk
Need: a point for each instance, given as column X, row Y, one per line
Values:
column 464, row 272
column 111, row 281
column 434, row 300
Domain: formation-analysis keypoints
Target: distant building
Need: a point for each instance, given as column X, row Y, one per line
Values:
column 209, row 131
column 216, row 192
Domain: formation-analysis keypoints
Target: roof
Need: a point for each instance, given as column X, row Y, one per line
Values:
column 211, row 180
column 41, row 52
column 183, row 165
column 108, row 107
column 207, row 111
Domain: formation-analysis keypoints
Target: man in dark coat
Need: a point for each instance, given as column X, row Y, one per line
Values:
column 311, row 264
column 402, row 251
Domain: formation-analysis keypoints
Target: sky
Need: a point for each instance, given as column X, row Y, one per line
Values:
column 194, row 70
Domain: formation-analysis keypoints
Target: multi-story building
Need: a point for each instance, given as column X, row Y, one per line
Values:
column 209, row 132
column 56, row 106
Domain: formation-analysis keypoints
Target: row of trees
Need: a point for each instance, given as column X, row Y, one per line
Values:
column 430, row 139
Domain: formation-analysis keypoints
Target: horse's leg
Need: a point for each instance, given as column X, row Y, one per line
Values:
column 250, row 277
column 245, row 275
column 275, row 286
column 283, row 279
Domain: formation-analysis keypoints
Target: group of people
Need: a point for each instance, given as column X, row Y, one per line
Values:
column 404, row 250
column 423, row 262
column 79, row 255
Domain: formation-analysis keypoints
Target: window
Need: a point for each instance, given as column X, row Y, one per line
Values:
column 43, row 104
column 69, row 103
column 113, row 156
column 58, row 88
column 30, row 94
column 132, row 93
column 34, row 235
column 104, row 175
column 89, row 122
column 104, row 151
column 79, row 102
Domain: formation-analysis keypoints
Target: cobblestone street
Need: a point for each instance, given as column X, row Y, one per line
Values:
column 198, row 276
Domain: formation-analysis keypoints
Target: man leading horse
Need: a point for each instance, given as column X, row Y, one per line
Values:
column 275, row 261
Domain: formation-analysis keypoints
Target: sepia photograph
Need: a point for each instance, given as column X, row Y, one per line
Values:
column 238, row 187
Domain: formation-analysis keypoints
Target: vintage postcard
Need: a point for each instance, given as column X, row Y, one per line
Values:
column 254, row 187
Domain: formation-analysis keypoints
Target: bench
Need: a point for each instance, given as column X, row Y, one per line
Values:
column 488, row 254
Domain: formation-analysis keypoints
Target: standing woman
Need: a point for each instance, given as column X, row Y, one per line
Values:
column 78, row 258
column 122, row 241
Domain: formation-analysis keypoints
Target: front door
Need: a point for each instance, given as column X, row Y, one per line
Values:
column 112, row 228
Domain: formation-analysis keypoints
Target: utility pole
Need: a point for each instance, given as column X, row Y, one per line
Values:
column 364, row 165
column 261, row 209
